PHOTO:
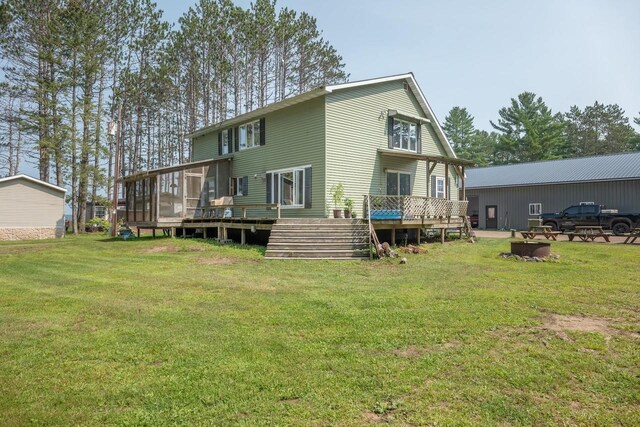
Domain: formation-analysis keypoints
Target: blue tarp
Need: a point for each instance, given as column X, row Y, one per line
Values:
column 385, row 214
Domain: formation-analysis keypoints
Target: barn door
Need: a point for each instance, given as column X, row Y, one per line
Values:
column 491, row 217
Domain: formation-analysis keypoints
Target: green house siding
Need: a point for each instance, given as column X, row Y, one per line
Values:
column 356, row 128
column 294, row 137
column 338, row 135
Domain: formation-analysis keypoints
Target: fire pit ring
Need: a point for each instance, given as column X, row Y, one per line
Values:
column 531, row 249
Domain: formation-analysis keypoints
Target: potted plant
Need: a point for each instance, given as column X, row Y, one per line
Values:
column 348, row 207
column 337, row 193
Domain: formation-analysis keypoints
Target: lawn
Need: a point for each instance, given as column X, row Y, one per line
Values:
column 155, row 332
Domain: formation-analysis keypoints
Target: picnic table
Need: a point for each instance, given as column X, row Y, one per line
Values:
column 588, row 233
column 631, row 237
column 540, row 230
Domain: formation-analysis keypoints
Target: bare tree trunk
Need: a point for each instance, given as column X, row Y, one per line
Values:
column 95, row 182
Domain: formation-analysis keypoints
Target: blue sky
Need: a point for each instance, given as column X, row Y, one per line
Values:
column 479, row 54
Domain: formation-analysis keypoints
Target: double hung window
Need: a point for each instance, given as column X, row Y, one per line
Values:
column 249, row 135
column 405, row 135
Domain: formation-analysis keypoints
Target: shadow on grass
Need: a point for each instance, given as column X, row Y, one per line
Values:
column 261, row 249
column 249, row 247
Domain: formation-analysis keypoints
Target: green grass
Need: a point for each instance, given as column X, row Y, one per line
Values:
column 155, row 332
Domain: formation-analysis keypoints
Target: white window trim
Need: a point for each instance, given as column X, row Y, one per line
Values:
column 253, row 126
column 444, row 188
column 280, row 171
column 537, row 209
column 388, row 171
column 409, row 150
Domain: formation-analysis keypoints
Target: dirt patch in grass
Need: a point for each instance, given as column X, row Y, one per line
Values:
column 373, row 418
column 562, row 323
column 223, row 261
column 415, row 351
column 411, row 351
column 171, row 248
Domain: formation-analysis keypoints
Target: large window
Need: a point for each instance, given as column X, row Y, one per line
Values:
column 398, row 184
column 249, row 136
column 405, row 135
column 288, row 188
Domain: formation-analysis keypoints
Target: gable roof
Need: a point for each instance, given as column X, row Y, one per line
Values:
column 325, row 90
column 34, row 180
column 611, row 167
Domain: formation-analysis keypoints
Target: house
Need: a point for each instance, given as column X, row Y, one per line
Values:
column 30, row 209
column 505, row 197
column 379, row 138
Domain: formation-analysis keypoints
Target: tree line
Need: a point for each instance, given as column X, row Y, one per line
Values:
column 527, row 130
column 70, row 67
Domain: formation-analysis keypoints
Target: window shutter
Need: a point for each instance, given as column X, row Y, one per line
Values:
column 307, row 188
column 262, row 132
column 232, row 186
column 220, row 143
column 269, row 181
column 390, row 130
column 245, row 186
column 419, row 138
column 236, row 136
column 433, row 186
column 230, row 140
column 276, row 185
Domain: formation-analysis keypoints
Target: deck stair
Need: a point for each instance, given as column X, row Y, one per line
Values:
column 318, row 238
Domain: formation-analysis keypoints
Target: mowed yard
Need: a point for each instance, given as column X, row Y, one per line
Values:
column 95, row 331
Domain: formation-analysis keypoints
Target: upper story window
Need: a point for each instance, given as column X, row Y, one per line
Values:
column 405, row 135
column 225, row 141
column 249, row 135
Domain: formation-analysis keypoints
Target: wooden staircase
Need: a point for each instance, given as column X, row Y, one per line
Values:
column 318, row 238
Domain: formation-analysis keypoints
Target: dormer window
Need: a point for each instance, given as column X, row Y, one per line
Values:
column 405, row 135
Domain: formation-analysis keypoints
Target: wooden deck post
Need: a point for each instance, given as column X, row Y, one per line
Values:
column 464, row 194
column 442, row 231
column 447, row 193
column 138, row 230
column 418, row 230
column 204, row 233
column 393, row 236
column 243, row 236
column 153, row 230
column 173, row 232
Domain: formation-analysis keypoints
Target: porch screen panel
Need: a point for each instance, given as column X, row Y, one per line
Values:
column 138, row 204
column 194, row 188
column 170, row 193
column 146, row 200
column 129, row 202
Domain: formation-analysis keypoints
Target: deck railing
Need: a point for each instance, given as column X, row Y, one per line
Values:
column 412, row 207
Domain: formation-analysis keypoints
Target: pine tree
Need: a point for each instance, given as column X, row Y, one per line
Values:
column 529, row 131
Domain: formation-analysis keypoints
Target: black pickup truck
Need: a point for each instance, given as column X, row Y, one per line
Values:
column 588, row 214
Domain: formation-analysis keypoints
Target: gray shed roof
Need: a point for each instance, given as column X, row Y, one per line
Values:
column 599, row 168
